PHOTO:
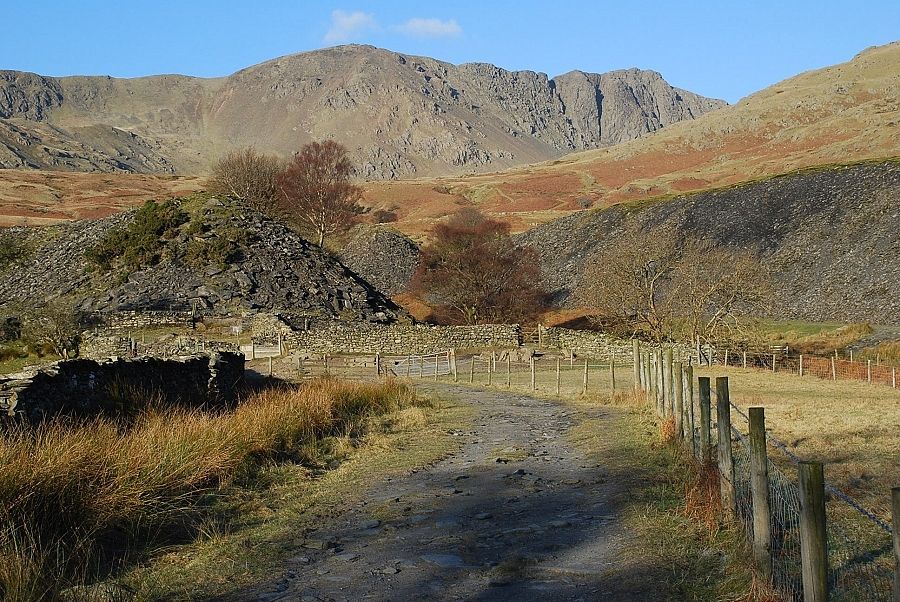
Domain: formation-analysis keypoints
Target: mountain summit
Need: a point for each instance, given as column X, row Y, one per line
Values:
column 400, row 115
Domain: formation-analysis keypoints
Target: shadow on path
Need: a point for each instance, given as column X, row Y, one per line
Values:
column 517, row 514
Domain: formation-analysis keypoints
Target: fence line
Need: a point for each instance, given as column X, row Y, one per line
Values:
column 829, row 367
column 840, row 550
column 855, row 554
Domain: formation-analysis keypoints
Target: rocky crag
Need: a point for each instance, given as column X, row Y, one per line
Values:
column 829, row 236
column 400, row 115
column 219, row 258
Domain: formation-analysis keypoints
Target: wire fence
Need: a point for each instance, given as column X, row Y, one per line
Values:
column 860, row 555
column 829, row 367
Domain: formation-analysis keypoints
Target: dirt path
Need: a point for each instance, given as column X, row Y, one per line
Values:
column 517, row 514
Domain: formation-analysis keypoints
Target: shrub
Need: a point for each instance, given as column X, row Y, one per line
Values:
column 141, row 242
column 383, row 216
column 222, row 249
column 11, row 248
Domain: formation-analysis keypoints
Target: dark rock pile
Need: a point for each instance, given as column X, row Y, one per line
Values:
column 384, row 257
column 273, row 269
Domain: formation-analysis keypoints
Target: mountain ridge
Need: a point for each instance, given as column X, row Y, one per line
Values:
column 399, row 114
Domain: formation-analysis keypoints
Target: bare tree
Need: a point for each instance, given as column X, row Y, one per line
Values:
column 247, row 175
column 666, row 288
column 315, row 189
column 715, row 289
column 626, row 284
column 55, row 325
column 473, row 267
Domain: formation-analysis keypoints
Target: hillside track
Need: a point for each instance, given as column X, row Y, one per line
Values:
column 517, row 514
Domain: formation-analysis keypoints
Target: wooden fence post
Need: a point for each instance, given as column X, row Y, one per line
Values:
column 705, row 418
column 408, row 365
column 726, row 459
column 774, row 361
column 745, row 360
column 869, row 371
column 660, row 383
column 759, row 493
column 377, row 365
column 508, row 371
column 557, row 376
column 612, row 376
column 895, row 513
column 270, row 366
column 636, row 356
column 453, row 365
column 726, row 358
column 325, row 361
column 689, row 405
column 533, row 386
column 678, row 390
column 437, row 365
column 833, row 370
column 813, row 536
column 585, row 383
column 667, row 383
column 801, row 365
column 491, row 368
column 472, row 371
column 647, row 372
column 894, row 377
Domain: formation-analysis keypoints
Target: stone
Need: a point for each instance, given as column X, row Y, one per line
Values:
column 445, row 561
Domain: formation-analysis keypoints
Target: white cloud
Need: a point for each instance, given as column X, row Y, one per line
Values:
column 430, row 28
column 345, row 25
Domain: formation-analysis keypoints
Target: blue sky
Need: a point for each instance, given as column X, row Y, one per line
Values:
column 726, row 49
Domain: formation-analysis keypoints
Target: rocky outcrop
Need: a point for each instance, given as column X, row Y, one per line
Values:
column 400, row 115
column 28, row 95
column 828, row 235
column 382, row 256
column 269, row 267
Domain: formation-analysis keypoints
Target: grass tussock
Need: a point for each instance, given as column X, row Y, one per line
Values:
column 887, row 352
column 78, row 497
column 702, row 499
column 667, row 431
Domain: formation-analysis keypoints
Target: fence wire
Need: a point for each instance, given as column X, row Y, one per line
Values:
column 860, row 552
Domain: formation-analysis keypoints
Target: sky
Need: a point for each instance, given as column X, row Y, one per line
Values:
column 719, row 48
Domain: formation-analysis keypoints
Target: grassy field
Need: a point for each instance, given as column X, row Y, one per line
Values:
column 852, row 426
column 82, row 501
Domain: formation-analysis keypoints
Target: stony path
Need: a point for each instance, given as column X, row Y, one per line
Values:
column 516, row 514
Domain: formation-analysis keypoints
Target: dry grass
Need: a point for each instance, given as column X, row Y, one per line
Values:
column 77, row 497
column 682, row 542
column 887, row 352
column 850, row 425
column 702, row 499
column 817, row 339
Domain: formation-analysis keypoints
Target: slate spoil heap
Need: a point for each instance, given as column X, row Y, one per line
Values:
column 268, row 267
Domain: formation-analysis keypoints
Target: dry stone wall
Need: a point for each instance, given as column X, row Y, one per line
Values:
column 598, row 344
column 400, row 339
column 98, row 346
column 85, row 387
